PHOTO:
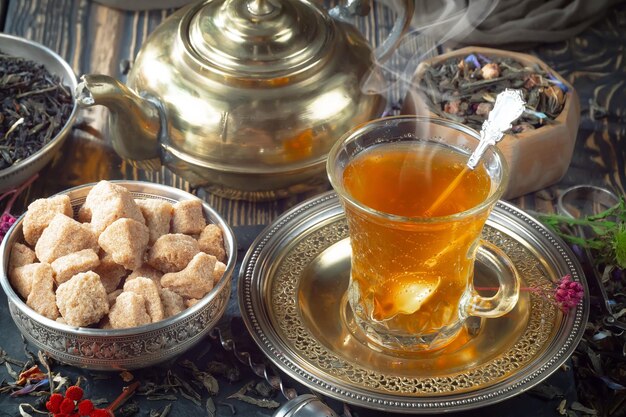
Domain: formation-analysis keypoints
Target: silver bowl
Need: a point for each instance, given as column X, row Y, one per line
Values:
column 132, row 348
column 13, row 45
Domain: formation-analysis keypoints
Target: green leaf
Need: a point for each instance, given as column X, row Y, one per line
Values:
column 619, row 246
column 606, row 233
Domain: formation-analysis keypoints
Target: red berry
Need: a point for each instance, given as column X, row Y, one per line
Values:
column 85, row 407
column 100, row 412
column 54, row 403
column 67, row 406
column 74, row 393
column 50, row 407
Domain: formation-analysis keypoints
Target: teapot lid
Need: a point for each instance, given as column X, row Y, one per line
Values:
column 257, row 39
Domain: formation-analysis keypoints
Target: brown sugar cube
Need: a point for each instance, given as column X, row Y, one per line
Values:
column 158, row 214
column 148, row 289
column 190, row 302
column 172, row 302
column 147, row 271
column 218, row 271
column 195, row 280
column 108, row 202
column 112, row 296
column 62, row 237
column 129, row 310
column 21, row 255
column 82, row 300
column 110, row 272
column 211, row 241
column 172, row 252
column 126, row 240
column 188, row 217
column 67, row 266
column 21, row 278
column 84, row 215
column 41, row 212
column 42, row 298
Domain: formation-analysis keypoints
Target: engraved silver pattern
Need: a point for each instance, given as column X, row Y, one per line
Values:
column 546, row 343
column 123, row 348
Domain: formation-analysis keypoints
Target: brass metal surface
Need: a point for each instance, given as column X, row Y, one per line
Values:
column 291, row 292
column 250, row 94
column 229, row 116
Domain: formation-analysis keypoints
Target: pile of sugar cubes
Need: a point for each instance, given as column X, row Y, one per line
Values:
column 123, row 263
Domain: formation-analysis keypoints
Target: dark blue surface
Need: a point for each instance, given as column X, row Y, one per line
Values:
column 109, row 385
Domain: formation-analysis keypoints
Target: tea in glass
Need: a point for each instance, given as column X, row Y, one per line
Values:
column 412, row 266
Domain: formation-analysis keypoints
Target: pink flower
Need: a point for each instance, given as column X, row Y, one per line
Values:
column 6, row 218
column 568, row 293
column 6, row 221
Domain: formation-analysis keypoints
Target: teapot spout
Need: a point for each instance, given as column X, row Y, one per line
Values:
column 134, row 122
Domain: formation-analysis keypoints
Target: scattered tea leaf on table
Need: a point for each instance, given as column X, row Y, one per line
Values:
column 205, row 378
column 241, row 395
column 210, row 407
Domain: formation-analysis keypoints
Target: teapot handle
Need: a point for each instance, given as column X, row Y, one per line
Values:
column 349, row 8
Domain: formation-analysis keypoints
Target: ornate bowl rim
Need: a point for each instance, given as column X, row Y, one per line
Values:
column 135, row 187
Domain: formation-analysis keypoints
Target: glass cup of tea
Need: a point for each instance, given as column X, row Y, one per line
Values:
column 411, row 279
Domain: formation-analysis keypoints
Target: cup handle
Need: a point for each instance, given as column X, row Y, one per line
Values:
column 509, row 285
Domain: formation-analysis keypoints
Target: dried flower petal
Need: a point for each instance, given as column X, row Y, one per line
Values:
column 28, row 375
column 490, row 71
column 473, row 60
column 452, row 107
column 29, row 388
column 556, row 81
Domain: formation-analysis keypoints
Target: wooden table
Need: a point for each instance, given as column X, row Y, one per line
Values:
column 97, row 39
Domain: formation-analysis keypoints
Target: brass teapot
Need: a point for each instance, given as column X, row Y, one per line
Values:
column 245, row 97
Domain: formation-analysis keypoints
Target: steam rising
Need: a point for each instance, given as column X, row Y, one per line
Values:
column 433, row 24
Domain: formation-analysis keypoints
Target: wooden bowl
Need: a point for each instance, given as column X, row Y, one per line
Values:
column 536, row 158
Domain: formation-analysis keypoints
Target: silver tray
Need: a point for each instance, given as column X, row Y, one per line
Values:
column 291, row 288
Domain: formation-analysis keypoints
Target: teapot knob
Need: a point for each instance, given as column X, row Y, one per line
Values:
column 261, row 7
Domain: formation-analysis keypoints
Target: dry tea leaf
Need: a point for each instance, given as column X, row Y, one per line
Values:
column 241, row 395
column 35, row 106
column 464, row 90
column 210, row 407
column 206, row 379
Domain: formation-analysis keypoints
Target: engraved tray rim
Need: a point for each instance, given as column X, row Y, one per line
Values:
column 326, row 206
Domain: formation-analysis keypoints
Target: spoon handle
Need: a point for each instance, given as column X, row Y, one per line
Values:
column 509, row 106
